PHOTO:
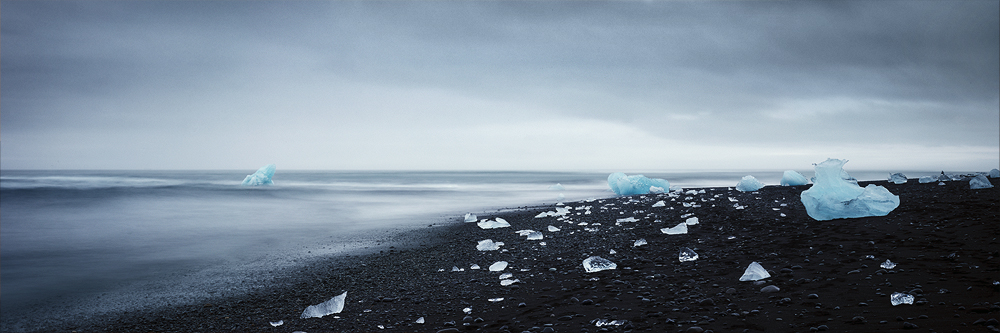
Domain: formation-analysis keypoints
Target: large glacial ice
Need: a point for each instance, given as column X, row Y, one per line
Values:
column 261, row 177
column 833, row 197
column 749, row 184
column 334, row 305
column 793, row 178
column 635, row 184
column 979, row 182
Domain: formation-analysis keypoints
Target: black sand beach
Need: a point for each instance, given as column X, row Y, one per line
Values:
column 944, row 239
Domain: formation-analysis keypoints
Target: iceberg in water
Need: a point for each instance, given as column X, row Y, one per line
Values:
column 793, row 178
column 897, row 178
column 635, row 184
column 261, row 177
column 754, row 272
column 833, row 197
column 979, row 181
column 749, row 184
column 334, row 305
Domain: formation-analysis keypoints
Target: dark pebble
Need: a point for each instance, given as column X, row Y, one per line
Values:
column 586, row 302
column 449, row 330
column 812, row 296
column 909, row 325
column 694, row 329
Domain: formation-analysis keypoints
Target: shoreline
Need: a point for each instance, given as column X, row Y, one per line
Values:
column 650, row 290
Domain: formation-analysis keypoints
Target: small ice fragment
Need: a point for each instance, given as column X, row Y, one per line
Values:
column 793, row 178
column 495, row 299
column 261, row 177
column 870, row 257
column 505, row 276
column 469, row 217
column 277, row 323
column 557, row 187
column 334, row 305
column 488, row 245
column 612, row 251
column 754, row 272
column 605, row 322
column 542, row 243
column 474, row 266
column 537, row 235
column 901, row 298
column 524, row 232
column 995, row 173
column 659, row 204
column 888, row 264
column 597, row 264
column 629, row 219
column 507, row 282
column 979, row 182
column 639, row 242
column 731, row 199
column 687, row 254
column 455, row 269
column 467, row 310
column 677, row 230
column 498, row 266
column 927, row 179
column 749, row 184
column 419, row 320
column 941, row 183
column 897, row 178
column 499, row 223
column 553, row 229
column 691, row 221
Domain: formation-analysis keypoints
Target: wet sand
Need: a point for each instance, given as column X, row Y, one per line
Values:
column 944, row 239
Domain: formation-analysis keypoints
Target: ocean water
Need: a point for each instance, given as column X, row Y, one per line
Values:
column 74, row 244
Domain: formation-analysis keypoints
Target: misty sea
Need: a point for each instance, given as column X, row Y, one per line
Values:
column 79, row 243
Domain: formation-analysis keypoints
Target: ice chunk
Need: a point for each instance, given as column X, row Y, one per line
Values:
column 659, row 204
column 793, row 178
column 612, row 251
column 498, row 266
column 508, row 282
column 505, row 276
column 261, row 177
column 524, row 232
column 629, row 219
column 557, row 187
column 488, row 245
column 639, row 242
column 419, row 320
column 897, row 178
column 754, row 272
column 499, row 223
column 467, row 310
column 979, row 182
column 927, row 179
column 334, row 305
column 995, row 173
column 832, row 197
column 553, row 229
column 677, row 230
column 597, row 264
column 687, row 254
column 537, row 235
column 474, row 266
column 635, row 184
column 888, row 264
column 498, row 299
column 277, row 323
column 606, row 322
column 749, row 184
column 691, row 221
column 456, row 269
column 901, row 298
column 470, row 217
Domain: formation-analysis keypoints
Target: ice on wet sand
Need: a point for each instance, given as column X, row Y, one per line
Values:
column 749, row 184
column 888, row 264
column 897, row 178
column 499, row 223
column 677, row 230
column 793, row 178
column 535, row 235
column 639, row 242
column 754, row 272
column 979, row 182
column 553, row 229
column 597, row 264
column 832, row 197
column 901, row 298
column 498, row 266
column 488, row 245
column 687, row 254
column 334, row 305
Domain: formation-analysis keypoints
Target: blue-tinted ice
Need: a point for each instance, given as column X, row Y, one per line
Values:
column 597, row 264
column 793, row 178
column 636, row 184
column 749, row 184
column 897, row 178
column 261, row 177
column 754, row 272
column 833, row 197
column 334, row 305
column 979, row 181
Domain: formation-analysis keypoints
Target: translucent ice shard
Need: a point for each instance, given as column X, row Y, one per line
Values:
column 499, row 223
column 749, row 184
column 470, row 217
column 277, row 323
column 659, row 204
column 334, row 305
column 687, row 254
column 455, row 269
column 979, row 182
column 606, row 322
column 505, row 276
column 888, row 264
column 639, row 242
column 537, row 235
column 691, row 221
column 261, row 177
column 488, row 245
column 832, row 197
column 474, row 266
column 597, row 264
column 467, row 310
column 498, row 266
column 897, row 178
column 635, row 184
column 677, row 230
column 524, row 232
column 901, row 298
column 507, row 282
column 754, row 272
column 419, row 320
column 498, row 299
column 793, row 178
column 553, row 229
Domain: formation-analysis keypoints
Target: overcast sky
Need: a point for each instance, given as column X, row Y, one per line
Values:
column 499, row 85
